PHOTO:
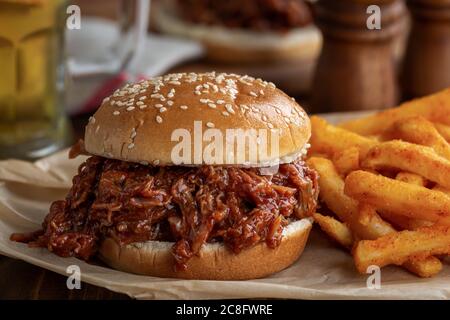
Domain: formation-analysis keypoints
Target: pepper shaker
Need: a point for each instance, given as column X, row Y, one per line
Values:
column 426, row 67
column 356, row 69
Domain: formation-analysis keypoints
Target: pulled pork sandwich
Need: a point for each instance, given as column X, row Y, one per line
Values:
column 145, row 206
column 243, row 31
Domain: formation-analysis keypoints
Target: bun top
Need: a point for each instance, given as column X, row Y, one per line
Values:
column 194, row 119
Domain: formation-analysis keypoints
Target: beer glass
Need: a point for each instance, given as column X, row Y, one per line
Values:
column 32, row 121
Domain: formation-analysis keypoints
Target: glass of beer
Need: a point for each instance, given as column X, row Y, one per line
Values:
column 32, row 120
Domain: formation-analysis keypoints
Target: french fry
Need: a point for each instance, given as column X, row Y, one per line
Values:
column 424, row 267
column 441, row 189
column 435, row 108
column 347, row 160
column 332, row 193
column 403, row 222
column 419, row 130
column 329, row 139
column 444, row 130
column 411, row 178
column 398, row 197
column 409, row 157
column 396, row 248
column 366, row 215
column 335, row 229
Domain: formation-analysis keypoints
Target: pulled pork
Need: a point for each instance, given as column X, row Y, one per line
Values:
column 260, row 15
column 189, row 206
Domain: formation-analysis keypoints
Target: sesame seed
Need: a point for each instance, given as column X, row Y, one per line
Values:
column 142, row 98
column 253, row 94
column 139, row 103
column 270, row 125
column 261, row 92
column 198, row 93
column 171, row 95
column 156, row 162
column 204, row 100
column 144, row 163
column 264, row 117
column 184, row 107
column 292, row 98
column 212, row 105
column 163, row 109
column 272, row 85
column 113, row 102
column 106, row 99
column 91, row 119
column 156, row 95
column 220, row 101
column 287, row 119
column 143, row 91
column 210, row 125
column 143, row 107
column 116, row 113
column 131, row 146
column 226, row 114
column 229, row 108
column 133, row 133
column 278, row 111
column 170, row 103
column 242, row 80
column 175, row 82
column 159, row 119
column 130, row 108
column 158, row 105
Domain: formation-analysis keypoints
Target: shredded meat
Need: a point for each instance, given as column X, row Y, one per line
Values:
column 189, row 206
column 78, row 149
column 278, row 15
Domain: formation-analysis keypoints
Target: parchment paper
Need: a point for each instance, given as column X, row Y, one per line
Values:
column 324, row 271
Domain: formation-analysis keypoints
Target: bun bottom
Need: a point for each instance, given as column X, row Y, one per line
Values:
column 215, row 261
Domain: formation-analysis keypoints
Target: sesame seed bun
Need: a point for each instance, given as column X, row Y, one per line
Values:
column 238, row 45
column 215, row 261
column 137, row 122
